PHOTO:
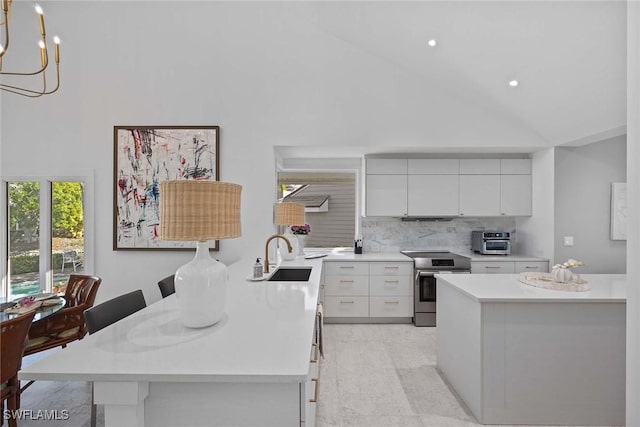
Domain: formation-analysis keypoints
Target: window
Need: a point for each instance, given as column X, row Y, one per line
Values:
column 330, row 205
column 45, row 225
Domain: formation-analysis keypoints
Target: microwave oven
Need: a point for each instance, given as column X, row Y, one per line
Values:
column 491, row 242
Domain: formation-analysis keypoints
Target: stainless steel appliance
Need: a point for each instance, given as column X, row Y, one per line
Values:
column 426, row 265
column 491, row 242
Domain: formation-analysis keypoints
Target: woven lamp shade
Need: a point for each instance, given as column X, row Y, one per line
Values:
column 288, row 214
column 199, row 210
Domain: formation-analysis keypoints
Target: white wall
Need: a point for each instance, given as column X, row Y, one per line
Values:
column 536, row 233
column 261, row 71
column 583, row 177
column 633, row 205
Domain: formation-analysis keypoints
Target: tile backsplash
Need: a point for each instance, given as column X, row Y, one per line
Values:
column 393, row 234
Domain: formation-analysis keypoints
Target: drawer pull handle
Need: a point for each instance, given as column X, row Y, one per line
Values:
column 533, row 267
column 346, row 266
column 395, row 267
column 392, row 302
column 346, row 281
column 314, row 399
column 315, row 353
column 346, row 302
column 391, row 281
column 491, row 266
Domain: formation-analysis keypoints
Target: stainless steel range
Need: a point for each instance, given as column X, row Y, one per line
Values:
column 426, row 265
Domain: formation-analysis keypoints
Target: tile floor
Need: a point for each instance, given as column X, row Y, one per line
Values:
column 372, row 375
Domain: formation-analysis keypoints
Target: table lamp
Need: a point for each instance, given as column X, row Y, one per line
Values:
column 289, row 214
column 200, row 211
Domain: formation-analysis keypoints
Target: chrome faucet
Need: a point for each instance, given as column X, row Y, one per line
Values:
column 266, row 249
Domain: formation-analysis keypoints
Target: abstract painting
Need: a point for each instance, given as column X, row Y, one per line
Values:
column 143, row 157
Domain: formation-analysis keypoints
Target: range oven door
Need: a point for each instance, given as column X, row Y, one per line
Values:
column 425, row 297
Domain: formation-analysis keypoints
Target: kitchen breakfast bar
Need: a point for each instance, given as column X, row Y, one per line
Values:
column 518, row 354
column 257, row 366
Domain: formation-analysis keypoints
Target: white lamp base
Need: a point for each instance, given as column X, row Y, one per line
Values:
column 201, row 289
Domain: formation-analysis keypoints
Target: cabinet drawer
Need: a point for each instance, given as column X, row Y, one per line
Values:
column 525, row 266
column 346, row 285
column 391, row 286
column 391, row 306
column 493, row 267
column 391, row 268
column 346, row 306
column 346, row 268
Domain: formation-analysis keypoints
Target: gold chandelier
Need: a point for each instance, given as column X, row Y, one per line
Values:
column 44, row 56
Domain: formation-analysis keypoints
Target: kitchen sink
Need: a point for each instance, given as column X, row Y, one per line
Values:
column 285, row 274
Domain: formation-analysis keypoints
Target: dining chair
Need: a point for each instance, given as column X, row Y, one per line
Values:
column 68, row 324
column 167, row 286
column 13, row 339
column 107, row 313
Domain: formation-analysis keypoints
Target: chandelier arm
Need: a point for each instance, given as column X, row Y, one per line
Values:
column 34, row 93
column 5, row 47
column 22, row 93
column 35, row 73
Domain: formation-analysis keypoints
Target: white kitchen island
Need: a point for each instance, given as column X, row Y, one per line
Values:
column 256, row 367
column 517, row 354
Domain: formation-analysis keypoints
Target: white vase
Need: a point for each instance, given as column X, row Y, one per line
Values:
column 561, row 275
column 284, row 250
column 301, row 241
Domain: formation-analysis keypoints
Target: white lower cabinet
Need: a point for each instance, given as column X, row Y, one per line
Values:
column 346, row 306
column 508, row 267
column 309, row 389
column 368, row 289
column 391, row 306
column 529, row 266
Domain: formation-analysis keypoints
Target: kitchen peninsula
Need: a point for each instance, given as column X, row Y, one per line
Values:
column 257, row 366
column 518, row 354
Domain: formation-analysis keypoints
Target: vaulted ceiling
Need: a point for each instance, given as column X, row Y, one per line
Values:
column 568, row 56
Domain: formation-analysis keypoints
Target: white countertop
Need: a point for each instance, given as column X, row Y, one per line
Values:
column 507, row 288
column 370, row 257
column 265, row 336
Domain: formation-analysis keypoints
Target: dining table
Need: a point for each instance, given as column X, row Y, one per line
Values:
column 42, row 310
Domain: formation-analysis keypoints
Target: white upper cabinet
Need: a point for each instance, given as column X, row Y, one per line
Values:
column 480, row 166
column 386, row 166
column 448, row 187
column 515, row 166
column 480, row 195
column 433, row 195
column 386, row 195
column 434, row 166
column 515, row 195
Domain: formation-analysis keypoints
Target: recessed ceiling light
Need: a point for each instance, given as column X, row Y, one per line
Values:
column 432, row 42
column 514, row 83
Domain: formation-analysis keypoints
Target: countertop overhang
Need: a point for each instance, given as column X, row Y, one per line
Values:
column 264, row 336
column 507, row 288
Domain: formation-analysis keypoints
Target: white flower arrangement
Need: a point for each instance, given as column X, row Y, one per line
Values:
column 569, row 264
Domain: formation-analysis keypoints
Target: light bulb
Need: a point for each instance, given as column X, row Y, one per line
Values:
column 432, row 42
column 41, row 44
column 56, row 39
column 39, row 10
column 1, row 48
column 513, row 83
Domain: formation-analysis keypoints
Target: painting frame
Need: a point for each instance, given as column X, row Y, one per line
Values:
column 143, row 156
